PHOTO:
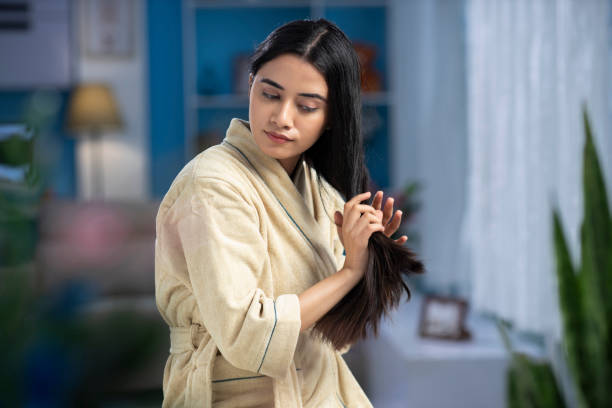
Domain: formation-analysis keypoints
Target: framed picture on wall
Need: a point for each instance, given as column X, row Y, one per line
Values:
column 108, row 28
column 444, row 318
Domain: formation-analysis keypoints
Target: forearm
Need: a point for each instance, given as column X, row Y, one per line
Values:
column 321, row 297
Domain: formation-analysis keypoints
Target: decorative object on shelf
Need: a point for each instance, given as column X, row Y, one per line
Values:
column 93, row 110
column 584, row 289
column 108, row 28
column 444, row 318
column 241, row 74
column 371, row 80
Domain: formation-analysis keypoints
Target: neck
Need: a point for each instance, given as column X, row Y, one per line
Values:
column 290, row 165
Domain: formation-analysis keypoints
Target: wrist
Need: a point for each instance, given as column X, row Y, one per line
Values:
column 352, row 274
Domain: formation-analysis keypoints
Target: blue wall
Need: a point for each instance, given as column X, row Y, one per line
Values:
column 165, row 93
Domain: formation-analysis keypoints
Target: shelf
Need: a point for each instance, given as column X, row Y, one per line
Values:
column 229, row 101
column 222, row 101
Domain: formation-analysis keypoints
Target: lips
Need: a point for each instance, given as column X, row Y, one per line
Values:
column 277, row 136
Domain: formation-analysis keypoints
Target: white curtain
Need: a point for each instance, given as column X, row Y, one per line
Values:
column 429, row 130
column 530, row 67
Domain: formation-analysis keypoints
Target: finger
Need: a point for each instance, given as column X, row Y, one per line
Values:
column 366, row 220
column 388, row 210
column 368, row 224
column 354, row 213
column 338, row 218
column 350, row 218
column 357, row 199
column 401, row 240
column 377, row 201
column 391, row 227
column 372, row 228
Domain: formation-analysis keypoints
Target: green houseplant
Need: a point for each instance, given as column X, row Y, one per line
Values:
column 586, row 308
column 585, row 289
column 530, row 383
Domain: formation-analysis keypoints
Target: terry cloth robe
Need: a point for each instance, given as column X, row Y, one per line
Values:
column 237, row 241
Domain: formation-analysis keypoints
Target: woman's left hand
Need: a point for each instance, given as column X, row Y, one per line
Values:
column 390, row 221
column 391, row 225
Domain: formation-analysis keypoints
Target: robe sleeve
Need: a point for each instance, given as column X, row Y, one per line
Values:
column 226, row 261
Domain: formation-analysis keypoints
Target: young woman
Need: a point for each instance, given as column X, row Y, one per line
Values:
column 255, row 242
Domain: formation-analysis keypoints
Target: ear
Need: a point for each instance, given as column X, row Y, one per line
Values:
column 250, row 81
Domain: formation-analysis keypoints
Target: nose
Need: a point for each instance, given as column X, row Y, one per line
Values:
column 282, row 116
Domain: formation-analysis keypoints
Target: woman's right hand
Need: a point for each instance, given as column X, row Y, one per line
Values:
column 355, row 227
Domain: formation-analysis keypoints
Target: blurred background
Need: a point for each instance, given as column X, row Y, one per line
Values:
column 483, row 118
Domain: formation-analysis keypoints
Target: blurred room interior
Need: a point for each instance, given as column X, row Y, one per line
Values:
column 473, row 119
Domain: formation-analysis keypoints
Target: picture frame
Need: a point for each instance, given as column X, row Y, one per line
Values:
column 444, row 318
column 108, row 28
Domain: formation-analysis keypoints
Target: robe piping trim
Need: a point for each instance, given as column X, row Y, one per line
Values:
column 238, row 378
column 340, row 399
column 270, row 339
column 243, row 378
column 279, row 202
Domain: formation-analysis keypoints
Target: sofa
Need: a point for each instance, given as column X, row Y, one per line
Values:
column 108, row 249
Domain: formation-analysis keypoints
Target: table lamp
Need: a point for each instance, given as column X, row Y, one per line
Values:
column 93, row 110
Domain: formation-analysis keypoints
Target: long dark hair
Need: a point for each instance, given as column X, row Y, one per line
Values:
column 338, row 157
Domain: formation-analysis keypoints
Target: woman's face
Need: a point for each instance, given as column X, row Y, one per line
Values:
column 287, row 108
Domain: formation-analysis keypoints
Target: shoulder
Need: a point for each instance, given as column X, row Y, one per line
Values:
column 215, row 172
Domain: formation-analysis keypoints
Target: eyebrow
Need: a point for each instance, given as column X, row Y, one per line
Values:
column 279, row 86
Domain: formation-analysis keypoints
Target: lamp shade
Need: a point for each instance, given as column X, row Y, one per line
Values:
column 93, row 108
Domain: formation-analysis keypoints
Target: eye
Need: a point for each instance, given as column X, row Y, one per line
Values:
column 307, row 108
column 269, row 96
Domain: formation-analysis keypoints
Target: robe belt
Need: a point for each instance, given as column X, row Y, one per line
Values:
column 185, row 338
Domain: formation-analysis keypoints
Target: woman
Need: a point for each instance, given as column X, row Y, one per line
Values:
column 248, row 258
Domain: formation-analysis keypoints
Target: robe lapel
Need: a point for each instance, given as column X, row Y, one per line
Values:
column 239, row 138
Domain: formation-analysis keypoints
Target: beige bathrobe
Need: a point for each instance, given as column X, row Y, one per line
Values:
column 237, row 241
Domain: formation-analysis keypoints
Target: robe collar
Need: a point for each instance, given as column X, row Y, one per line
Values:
column 295, row 203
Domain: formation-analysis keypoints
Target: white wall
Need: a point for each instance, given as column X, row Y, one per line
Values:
column 125, row 154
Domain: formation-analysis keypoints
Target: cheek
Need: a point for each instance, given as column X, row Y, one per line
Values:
column 314, row 127
column 258, row 112
column 311, row 132
column 254, row 115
